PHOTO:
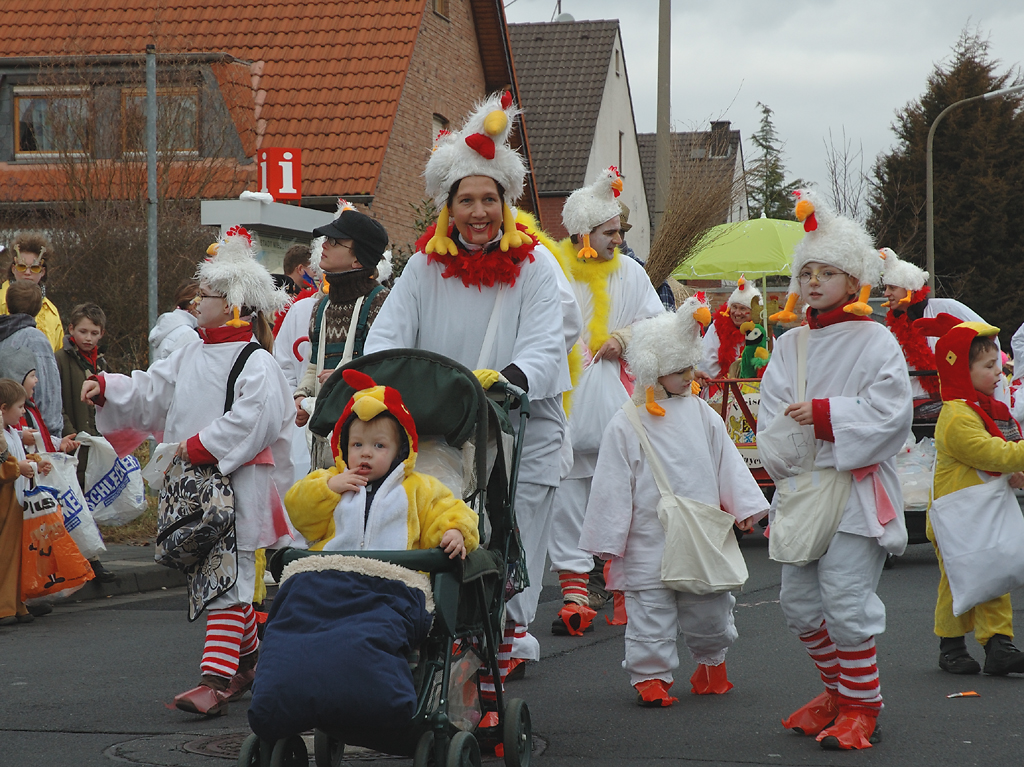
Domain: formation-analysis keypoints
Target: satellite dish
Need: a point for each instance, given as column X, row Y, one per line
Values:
column 565, row 17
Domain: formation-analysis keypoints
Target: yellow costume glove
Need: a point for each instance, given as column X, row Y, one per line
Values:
column 488, row 378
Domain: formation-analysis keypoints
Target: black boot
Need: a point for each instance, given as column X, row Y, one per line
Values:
column 954, row 658
column 1001, row 657
column 103, row 575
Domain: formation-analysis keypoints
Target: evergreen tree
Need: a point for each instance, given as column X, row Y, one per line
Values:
column 767, row 189
column 978, row 184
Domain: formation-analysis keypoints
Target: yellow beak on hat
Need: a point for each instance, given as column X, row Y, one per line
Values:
column 369, row 403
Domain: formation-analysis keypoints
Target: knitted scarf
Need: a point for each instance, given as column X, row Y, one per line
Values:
column 482, row 268
column 730, row 339
column 918, row 353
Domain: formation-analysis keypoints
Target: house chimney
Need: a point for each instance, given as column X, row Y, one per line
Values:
column 720, row 126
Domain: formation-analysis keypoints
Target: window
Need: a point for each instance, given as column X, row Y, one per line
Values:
column 441, row 7
column 438, row 123
column 618, row 63
column 621, row 137
column 50, row 120
column 177, row 119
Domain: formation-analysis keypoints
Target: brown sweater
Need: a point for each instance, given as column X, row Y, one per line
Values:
column 74, row 370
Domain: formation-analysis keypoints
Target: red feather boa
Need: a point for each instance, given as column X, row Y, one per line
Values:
column 915, row 347
column 730, row 339
column 479, row 268
column 312, row 290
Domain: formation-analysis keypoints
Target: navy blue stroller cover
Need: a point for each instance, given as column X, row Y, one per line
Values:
column 336, row 646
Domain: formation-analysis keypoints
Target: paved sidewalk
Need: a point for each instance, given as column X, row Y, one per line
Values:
column 136, row 572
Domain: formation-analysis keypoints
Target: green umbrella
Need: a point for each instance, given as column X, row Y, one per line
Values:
column 755, row 248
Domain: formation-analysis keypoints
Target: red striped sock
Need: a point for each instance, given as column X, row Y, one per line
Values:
column 249, row 641
column 858, row 677
column 224, row 631
column 823, row 652
column 574, row 587
column 504, row 657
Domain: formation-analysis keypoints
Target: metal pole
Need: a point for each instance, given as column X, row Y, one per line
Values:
column 663, row 145
column 929, row 194
column 151, row 183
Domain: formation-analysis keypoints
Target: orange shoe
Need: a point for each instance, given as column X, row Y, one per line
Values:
column 203, row 700
column 710, row 680
column 653, row 693
column 813, row 717
column 573, row 619
column 619, row 610
column 854, row 728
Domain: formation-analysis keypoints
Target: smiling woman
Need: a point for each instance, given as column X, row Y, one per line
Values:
column 30, row 263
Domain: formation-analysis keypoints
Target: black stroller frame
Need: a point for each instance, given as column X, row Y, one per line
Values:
column 469, row 595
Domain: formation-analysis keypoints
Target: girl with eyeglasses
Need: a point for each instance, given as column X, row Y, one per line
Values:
column 30, row 252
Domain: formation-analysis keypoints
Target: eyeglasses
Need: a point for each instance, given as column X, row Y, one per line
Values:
column 200, row 296
column 822, row 276
column 35, row 268
column 336, row 243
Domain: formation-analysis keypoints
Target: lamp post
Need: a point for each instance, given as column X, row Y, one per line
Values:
column 929, row 196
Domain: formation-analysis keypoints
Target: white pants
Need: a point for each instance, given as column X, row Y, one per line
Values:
column 245, row 584
column 658, row 616
column 533, row 514
column 567, row 514
column 838, row 589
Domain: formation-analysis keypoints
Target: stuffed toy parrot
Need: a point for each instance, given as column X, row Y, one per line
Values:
column 755, row 351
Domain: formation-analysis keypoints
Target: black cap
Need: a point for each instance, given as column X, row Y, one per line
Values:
column 368, row 235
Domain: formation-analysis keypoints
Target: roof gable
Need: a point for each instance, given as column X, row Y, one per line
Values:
column 562, row 69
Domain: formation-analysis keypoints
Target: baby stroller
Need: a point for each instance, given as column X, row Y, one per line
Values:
column 446, row 400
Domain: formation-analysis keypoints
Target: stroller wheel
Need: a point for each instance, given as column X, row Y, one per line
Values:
column 289, row 752
column 464, row 751
column 424, row 750
column 249, row 756
column 517, row 734
column 327, row 751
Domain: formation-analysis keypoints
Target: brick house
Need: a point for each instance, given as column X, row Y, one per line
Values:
column 577, row 104
column 360, row 86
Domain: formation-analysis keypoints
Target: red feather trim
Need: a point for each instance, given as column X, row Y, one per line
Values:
column 730, row 339
column 479, row 269
column 918, row 353
column 279, row 317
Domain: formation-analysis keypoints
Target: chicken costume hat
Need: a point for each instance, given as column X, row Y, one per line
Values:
column 233, row 271
column 480, row 149
column 834, row 240
column 369, row 401
column 902, row 274
column 664, row 344
column 591, row 206
column 745, row 293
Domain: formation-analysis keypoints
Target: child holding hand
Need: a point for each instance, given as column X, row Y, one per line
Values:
column 373, row 498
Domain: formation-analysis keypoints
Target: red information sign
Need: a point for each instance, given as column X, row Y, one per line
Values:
column 281, row 173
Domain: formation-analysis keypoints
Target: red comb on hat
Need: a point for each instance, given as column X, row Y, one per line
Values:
column 358, row 380
column 938, row 325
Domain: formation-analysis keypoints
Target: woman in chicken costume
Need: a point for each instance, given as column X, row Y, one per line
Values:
column 613, row 292
column 858, row 402
column 181, row 399
column 908, row 299
column 723, row 343
column 622, row 522
column 483, row 289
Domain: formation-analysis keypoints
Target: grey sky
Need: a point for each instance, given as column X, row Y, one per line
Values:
column 819, row 65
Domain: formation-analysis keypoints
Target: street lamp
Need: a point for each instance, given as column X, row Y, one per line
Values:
column 929, row 197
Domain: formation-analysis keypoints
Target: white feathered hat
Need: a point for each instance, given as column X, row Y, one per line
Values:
column 233, row 271
column 834, row 240
column 592, row 205
column 745, row 292
column 900, row 273
column 479, row 149
column 666, row 343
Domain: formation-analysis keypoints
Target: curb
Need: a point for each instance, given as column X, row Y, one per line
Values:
column 132, row 580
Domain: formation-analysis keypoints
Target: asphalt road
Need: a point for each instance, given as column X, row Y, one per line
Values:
column 88, row 686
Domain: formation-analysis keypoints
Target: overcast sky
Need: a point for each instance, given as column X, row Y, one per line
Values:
column 821, row 66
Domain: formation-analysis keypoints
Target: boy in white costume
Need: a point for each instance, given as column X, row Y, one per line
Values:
column 908, row 299
column 613, row 292
column 723, row 343
column 181, row 399
column 858, row 402
column 622, row 521
column 487, row 294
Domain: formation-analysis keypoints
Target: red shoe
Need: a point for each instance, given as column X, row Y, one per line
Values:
column 203, row 700
column 516, row 669
column 619, row 610
column 242, row 681
column 710, row 680
column 573, row 619
column 854, row 728
column 489, row 720
column 813, row 717
column 653, row 693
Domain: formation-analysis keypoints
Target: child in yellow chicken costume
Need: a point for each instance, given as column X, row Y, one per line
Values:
column 975, row 437
column 699, row 462
column 613, row 292
column 373, row 498
column 851, row 413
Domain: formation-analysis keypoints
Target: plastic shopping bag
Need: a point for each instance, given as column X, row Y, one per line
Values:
column 914, row 467
column 50, row 561
column 155, row 472
column 62, row 482
column 113, row 486
column 595, row 399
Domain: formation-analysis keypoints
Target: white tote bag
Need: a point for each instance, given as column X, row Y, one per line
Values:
column 62, row 482
column 595, row 399
column 980, row 532
column 702, row 555
column 809, row 504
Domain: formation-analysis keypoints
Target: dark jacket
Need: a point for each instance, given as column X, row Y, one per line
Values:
column 74, row 370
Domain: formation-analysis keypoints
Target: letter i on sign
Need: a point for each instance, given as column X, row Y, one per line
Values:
column 281, row 172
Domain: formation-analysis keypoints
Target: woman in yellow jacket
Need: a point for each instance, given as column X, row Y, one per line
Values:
column 29, row 263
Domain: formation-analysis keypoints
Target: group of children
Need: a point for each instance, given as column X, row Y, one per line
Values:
column 840, row 381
